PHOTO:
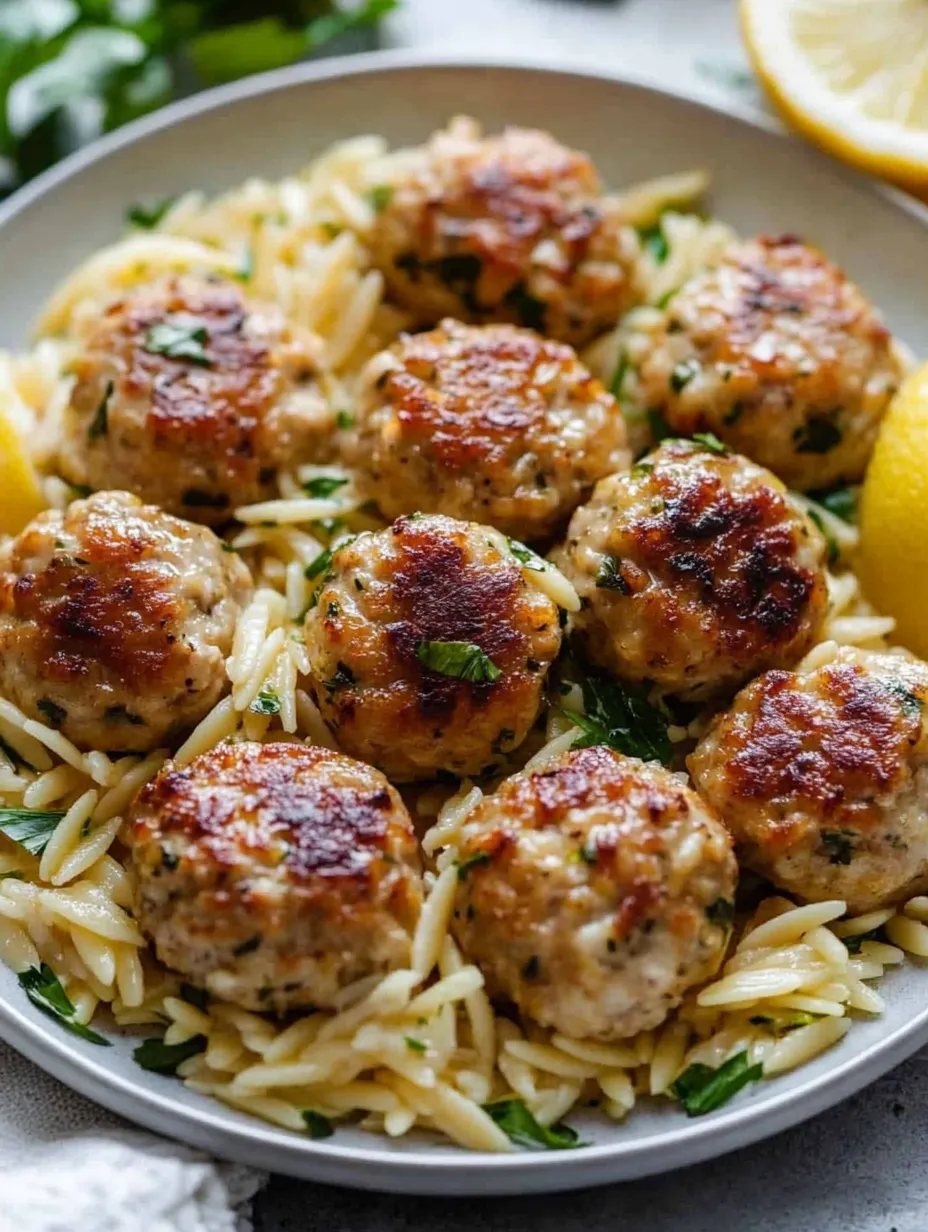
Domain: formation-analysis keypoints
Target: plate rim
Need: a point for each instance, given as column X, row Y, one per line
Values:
column 413, row 1171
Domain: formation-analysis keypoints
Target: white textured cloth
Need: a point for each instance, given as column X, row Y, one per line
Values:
column 68, row 1166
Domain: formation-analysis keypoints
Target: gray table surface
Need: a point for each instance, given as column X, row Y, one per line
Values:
column 860, row 1167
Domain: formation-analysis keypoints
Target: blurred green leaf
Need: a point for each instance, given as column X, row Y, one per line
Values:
column 253, row 47
column 343, row 21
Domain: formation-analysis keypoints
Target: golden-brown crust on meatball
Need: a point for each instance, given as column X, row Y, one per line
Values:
column 695, row 571
column 428, row 579
column 782, row 357
column 276, row 874
column 490, row 423
column 115, row 621
column 589, row 893
column 510, row 227
column 198, row 433
column 821, row 777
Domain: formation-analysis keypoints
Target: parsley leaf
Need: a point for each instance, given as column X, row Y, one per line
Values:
column 463, row 660
column 344, row 420
column 415, row 1045
column 161, row 1058
column 525, row 556
column 683, row 373
column 147, row 217
column 323, row 485
column 380, row 197
column 267, row 702
column 654, row 241
column 472, row 861
column 623, row 719
column 710, row 441
column 30, row 829
column 609, row 576
column 179, row 336
column 317, row 1125
column 44, row 990
column 622, row 370
column 831, row 542
column 701, row 1089
column 99, row 425
column 721, row 912
column 839, row 845
column 515, row 1120
column 842, row 502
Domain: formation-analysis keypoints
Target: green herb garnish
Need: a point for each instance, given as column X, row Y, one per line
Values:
column 654, row 241
column 344, row 420
column 99, row 425
column 515, row 1120
column 622, row 369
column 317, row 1125
column 839, row 845
column 267, row 702
column 841, row 502
column 415, row 1045
column 323, row 485
column 147, row 217
column 380, row 197
column 721, row 912
column 701, row 1089
column 29, row 828
column 817, row 436
column 609, row 576
column 161, row 1058
column 682, row 374
column 44, row 990
column 710, row 441
column 622, row 718
column 525, row 556
column 54, row 714
column 472, row 861
column 463, row 660
column 179, row 336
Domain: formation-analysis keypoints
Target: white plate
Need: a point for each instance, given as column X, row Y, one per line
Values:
column 763, row 181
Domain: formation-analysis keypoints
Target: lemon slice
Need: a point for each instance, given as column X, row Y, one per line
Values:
column 893, row 562
column 852, row 75
column 21, row 496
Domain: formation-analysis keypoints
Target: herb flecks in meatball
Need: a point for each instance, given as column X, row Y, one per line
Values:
column 429, row 648
column 489, row 423
column 695, row 571
column 193, row 398
column 594, row 892
column 822, row 778
column 276, row 875
column 510, row 227
column 782, row 357
column 116, row 620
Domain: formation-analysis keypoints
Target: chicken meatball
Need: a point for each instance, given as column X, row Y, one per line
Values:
column 782, row 357
column 429, row 648
column 486, row 422
column 115, row 622
column 510, row 227
column 822, row 778
column 594, row 892
column 695, row 571
column 275, row 875
column 191, row 397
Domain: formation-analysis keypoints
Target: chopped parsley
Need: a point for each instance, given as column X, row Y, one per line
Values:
column 29, row 828
column 526, row 557
column 622, row 369
column 910, row 702
column 654, row 241
column 147, row 217
column 853, row 944
column 831, row 543
column 642, row 469
column 415, row 1045
column 721, row 912
column 839, row 845
column 344, row 420
column 682, row 374
column 610, row 577
column 463, row 660
column 701, row 1089
column 99, row 425
column 841, row 502
column 817, row 436
column 161, row 1058
column 318, row 565
column 323, row 486
column 343, row 677
column 198, row 997
column 246, row 269
column 380, row 197
column 44, row 990
column 659, row 427
column 472, row 861
column 267, row 702
column 710, row 441
column 732, row 416
column 179, row 336
column 515, row 1120
column 54, row 713
column 622, row 718
column 317, row 1125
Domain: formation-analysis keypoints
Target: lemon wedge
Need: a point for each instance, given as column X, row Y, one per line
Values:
column 21, row 496
column 851, row 75
column 893, row 562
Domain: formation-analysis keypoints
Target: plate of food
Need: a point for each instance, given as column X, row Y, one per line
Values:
column 445, row 745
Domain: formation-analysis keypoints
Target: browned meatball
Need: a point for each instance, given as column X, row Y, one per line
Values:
column 594, row 892
column 695, row 571
column 116, row 620
column 822, row 778
column 192, row 397
column 275, row 875
column 429, row 648
column 510, row 227
column 779, row 355
column 489, row 423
